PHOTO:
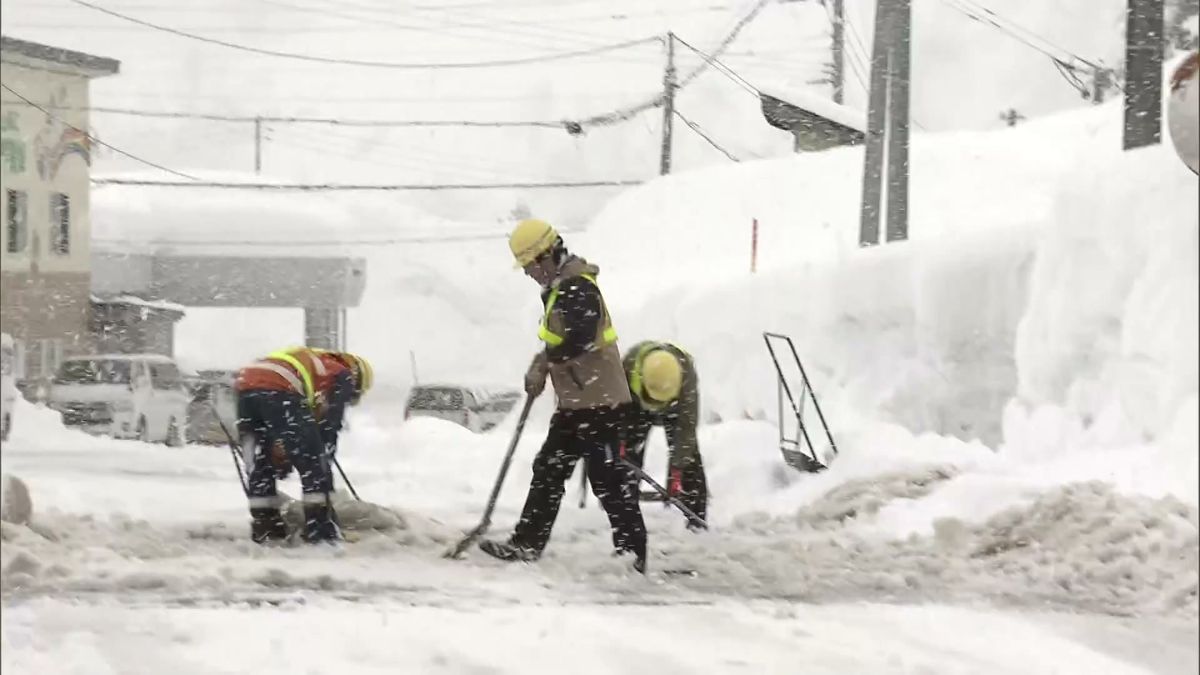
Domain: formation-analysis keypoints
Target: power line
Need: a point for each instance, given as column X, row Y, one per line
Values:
column 93, row 139
column 721, row 68
column 334, row 187
column 323, row 243
column 332, row 121
column 1064, row 66
column 700, row 132
column 660, row 100
column 376, row 64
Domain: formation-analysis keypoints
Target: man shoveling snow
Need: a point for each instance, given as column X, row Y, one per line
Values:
column 290, row 409
column 584, row 364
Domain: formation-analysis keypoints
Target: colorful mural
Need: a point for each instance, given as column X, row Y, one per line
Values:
column 57, row 140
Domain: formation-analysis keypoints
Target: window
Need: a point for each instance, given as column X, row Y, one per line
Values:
column 87, row 371
column 165, row 376
column 435, row 398
column 60, row 223
column 16, row 225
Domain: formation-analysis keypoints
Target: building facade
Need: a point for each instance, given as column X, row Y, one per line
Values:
column 45, row 158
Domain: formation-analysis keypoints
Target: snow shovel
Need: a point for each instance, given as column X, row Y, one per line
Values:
column 691, row 515
column 486, row 522
column 233, row 449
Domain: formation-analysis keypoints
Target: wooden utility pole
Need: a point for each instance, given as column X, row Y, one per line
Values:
column 839, row 53
column 1143, row 73
column 664, row 165
column 257, row 144
column 887, row 125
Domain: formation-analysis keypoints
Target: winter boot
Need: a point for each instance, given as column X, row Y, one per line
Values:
column 320, row 523
column 639, row 559
column 509, row 551
column 266, row 524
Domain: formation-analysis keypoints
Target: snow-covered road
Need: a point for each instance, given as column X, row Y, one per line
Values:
column 136, row 561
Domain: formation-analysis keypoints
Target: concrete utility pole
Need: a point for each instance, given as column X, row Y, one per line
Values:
column 1144, row 25
column 839, row 53
column 887, row 125
column 257, row 144
column 664, row 166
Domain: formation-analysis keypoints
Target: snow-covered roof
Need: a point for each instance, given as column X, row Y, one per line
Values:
column 140, row 302
column 152, row 358
column 253, row 221
column 813, row 102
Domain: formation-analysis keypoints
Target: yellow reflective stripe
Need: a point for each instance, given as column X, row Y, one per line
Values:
column 544, row 332
column 609, row 336
column 549, row 338
column 308, row 392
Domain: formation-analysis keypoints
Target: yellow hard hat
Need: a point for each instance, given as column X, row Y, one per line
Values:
column 662, row 375
column 530, row 239
column 364, row 376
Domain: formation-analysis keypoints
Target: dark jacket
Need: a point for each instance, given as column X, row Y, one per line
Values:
column 585, row 367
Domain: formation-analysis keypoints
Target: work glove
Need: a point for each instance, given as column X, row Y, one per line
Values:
column 535, row 377
column 280, row 461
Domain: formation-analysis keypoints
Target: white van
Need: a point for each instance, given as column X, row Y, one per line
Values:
column 8, row 385
column 122, row 395
column 477, row 409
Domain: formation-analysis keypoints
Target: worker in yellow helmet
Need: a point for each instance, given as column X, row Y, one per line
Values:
column 666, row 393
column 580, row 355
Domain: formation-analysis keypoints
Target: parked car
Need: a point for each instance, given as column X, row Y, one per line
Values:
column 475, row 408
column 8, row 385
column 209, row 389
column 122, row 395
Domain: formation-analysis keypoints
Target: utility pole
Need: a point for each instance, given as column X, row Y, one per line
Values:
column 887, row 125
column 664, row 166
column 257, row 144
column 1143, row 72
column 839, row 45
column 899, row 76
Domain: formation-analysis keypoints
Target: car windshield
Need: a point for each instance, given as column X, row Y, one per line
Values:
column 100, row 371
column 435, row 398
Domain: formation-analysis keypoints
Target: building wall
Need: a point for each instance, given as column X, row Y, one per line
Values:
column 132, row 329
column 44, row 290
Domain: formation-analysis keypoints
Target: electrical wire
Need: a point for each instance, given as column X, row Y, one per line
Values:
column 391, row 241
column 700, row 132
column 660, row 100
column 364, row 187
column 93, row 139
column 376, row 64
column 331, row 121
column 721, row 67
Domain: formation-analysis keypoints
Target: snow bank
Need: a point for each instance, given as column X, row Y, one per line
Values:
column 1107, row 351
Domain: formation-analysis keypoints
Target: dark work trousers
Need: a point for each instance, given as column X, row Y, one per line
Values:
column 591, row 433
column 685, row 470
column 283, row 415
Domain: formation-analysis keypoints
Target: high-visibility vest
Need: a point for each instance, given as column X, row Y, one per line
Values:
column 307, row 389
column 608, row 336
